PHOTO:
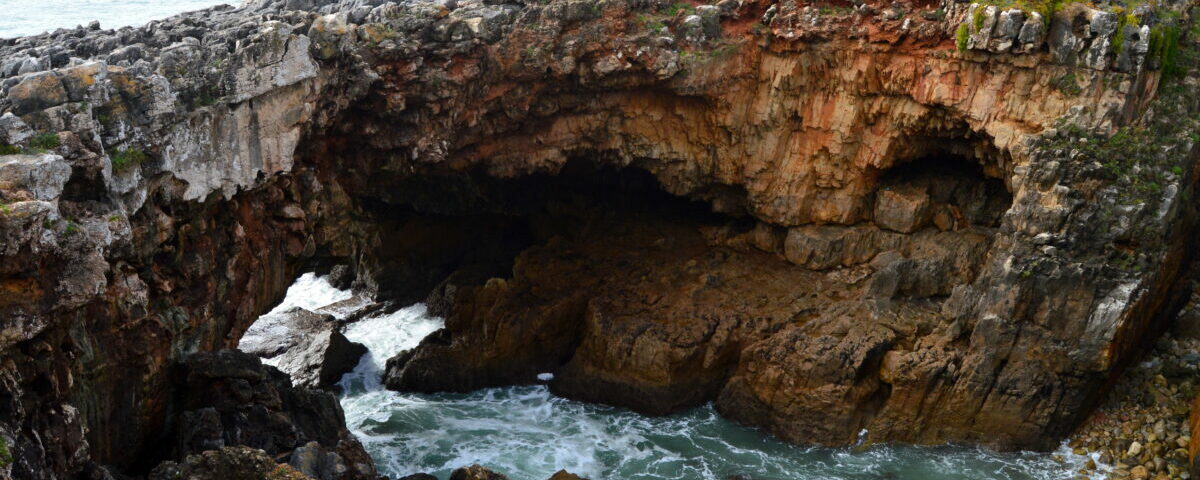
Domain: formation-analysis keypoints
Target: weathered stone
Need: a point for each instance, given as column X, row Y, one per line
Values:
column 475, row 472
column 36, row 92
column 226, row 464
column 904, row 210
column 305, row 345
column 231, row 114
column 32, row 177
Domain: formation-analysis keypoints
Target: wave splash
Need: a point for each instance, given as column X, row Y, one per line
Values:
column 526, row 432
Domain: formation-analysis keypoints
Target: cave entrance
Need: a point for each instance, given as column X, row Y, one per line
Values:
column 471, row 226
column 943, row 190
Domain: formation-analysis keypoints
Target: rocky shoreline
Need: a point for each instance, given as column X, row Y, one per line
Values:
column 969, row 219
column 1143, row 428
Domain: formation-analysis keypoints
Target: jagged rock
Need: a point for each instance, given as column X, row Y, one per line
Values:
column 231, row 399
column 226, row 464
column 904, row 210
column 475, row 472
column 565, row 475
column 303, row 344
column 313, row 461
column 186, row 137
column 32, row 177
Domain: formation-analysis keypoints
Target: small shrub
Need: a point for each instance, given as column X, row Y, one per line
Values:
column 962, row 37
column 72, row 228
column 6, row 457
column 5, row 209
column 1067, row 84
column 677, row 7
column 979, row 17
column 45, row 141
column 126, row 158
column 6, row 149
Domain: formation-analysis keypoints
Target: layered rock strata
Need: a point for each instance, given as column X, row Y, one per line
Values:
column 178, row 176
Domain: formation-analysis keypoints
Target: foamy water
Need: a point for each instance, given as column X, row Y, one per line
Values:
column 528, row 434
column 31, row 17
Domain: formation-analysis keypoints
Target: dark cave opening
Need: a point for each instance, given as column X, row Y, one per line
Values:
column 469, row 227
column 946, row 191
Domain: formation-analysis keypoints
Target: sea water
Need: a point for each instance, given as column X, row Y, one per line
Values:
column 31, row 17
column 528, row 434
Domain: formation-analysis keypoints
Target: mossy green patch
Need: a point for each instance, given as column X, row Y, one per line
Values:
column 45, row 141
column 126, row 158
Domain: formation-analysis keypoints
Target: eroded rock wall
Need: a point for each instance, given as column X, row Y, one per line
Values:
column 196, row 164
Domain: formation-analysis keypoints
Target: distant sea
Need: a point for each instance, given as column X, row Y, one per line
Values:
column 31, row 17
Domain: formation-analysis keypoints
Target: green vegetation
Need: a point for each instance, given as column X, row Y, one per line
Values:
column 45, row 141
column 1045, row 8
column 5, row 209
column 1118, row 40
column 1138, row 162
column 962, row 37
column 72, row 228
column 934, row 15
column 6, row 457
column 655, row 25
column 126, row 158
column 979, row 17
column 677, row 7
column 39, row 144
column 828, row 10
column 1164, row 46
column 1067, row 84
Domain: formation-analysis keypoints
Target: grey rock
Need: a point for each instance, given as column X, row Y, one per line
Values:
column 33, row 177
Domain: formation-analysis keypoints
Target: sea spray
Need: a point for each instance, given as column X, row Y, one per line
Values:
column 528, row 433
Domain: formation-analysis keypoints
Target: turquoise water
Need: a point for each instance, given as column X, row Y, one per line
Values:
column 30, row 17
column 528, row 434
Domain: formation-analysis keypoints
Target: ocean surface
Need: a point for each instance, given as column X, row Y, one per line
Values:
column 31, row 17
column 528, row 434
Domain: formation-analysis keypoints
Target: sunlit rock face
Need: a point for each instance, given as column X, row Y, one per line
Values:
column 912, row 234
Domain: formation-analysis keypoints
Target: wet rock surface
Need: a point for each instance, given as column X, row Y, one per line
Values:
column 305, row 345
column 188, row 170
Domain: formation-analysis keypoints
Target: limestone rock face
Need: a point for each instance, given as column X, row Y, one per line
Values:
column 203, row 161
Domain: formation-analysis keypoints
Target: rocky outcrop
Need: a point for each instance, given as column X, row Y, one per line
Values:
column 305, row 345
column 224, row 464
column 213, row 155
column 229, row 398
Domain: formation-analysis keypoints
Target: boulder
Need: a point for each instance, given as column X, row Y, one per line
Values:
column 32, row 177
column 305, row 345
column 476, row 472
column 904, row 208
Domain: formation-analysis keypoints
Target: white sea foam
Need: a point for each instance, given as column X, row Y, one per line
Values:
column 311, row 292
column 527, row 433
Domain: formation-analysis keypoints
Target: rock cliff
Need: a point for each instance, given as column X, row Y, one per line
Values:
column 935, row 222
